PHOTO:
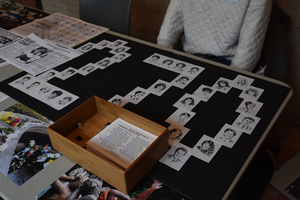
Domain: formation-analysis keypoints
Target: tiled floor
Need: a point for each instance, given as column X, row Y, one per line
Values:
column 288, row 136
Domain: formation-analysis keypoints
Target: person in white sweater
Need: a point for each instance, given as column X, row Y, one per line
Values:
column 230, row 29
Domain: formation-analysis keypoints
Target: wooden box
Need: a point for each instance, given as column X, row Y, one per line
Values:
column 95, row 113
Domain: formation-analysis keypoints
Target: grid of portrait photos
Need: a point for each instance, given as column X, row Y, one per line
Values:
column 207, row 147
column 39, row 88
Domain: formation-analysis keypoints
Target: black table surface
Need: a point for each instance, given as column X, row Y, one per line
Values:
column 196, row 178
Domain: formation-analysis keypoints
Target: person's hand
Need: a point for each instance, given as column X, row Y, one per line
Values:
column 156, row 185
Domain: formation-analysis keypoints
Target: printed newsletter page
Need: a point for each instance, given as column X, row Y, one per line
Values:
column 121, row 142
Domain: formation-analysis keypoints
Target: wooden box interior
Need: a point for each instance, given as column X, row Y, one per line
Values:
column 94, row 114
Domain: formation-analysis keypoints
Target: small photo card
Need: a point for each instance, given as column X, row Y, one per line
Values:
column 187, row 102
column 32, row 85
column 87, row 69
column 176, row 156
column 241, row 82
column 154, row 59
column 85, row 48
column 54, row 95
column 43, row 91
column 104, row 63
column 204, row 92
column 222, row 85
column 180, row 66
column 228, row 135
column 116, row 44
column 118, row 100
column 182, row 80
column 193, row 70
column 102, row 44
column 166, row 63
column 22, row 82
column 176, row 133
column 67, row 73
column 63, row 101
column 249, row 107
column 46, row 76
column 180, row 117
column 121, row 49
column 159, row 87
column 246, row 123
column 121, row 56
column 252, row 93
column 206, row 148
column 136, row 95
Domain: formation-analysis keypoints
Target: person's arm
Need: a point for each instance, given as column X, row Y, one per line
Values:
column 144, row 195
column 116, row 193
column 172, row 26
column 252, row 35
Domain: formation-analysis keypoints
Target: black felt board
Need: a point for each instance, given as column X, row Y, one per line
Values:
column 196, row 179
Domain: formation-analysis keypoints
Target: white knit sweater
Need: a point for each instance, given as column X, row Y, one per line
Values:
column 218, row 27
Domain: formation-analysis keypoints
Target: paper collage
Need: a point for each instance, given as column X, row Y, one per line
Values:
column 187, row 72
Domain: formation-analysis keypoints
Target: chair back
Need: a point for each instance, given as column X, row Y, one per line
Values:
column 113, row 14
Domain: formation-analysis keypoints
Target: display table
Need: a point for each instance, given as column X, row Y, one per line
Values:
column 214, row 179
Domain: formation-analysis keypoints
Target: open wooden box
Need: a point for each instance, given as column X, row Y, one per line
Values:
column 95, row 113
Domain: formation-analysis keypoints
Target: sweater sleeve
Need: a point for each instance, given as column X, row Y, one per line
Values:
column 172, row 25
column 252, row 35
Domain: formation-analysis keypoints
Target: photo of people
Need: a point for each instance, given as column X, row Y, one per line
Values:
column 87, row 69
column 249, row 107
column 28, row 149
column 187, row 102
column 204, row 92
column 167, row 63
column 180, row 117
column 251, row 93
column 222, row 85
column 33, row 55
column 120, row 56
column 102, row 44
column 105, row 62
column 176, row 133
column 180, row 66
column 206, row 148
column 120, row 49
column 46, row 76
column 242, row 82
column 118, row 100
column 136, row 95
column 22, row 82
column 159, row 87
column 154, row 59
column 246, row 123
column 176, row 156
column 63, row 101
column 87, row 47
column 193, row 70
column 228, row 135
column 116, row 44
column 78, row 183
column 182, row 80
column 67, row 73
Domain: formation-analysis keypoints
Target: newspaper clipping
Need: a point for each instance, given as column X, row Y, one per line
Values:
column 34, row 55
column 121, row 142
column 7, row 38
column 61, row 29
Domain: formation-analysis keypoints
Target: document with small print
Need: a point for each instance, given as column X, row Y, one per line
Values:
column 120, row 143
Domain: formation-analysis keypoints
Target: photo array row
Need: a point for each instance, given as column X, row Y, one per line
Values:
column 39, row 88
column 206, row 147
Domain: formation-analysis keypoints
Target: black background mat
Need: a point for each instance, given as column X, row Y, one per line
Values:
column 196, row 179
